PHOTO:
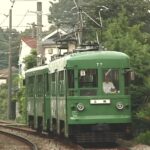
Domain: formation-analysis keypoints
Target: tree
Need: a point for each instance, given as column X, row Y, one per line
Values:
column 64, row 17
column 4, row 96
column 121, row 36
column 31, row 60
column 4, row 47
column 137, row 11
column 3, row 102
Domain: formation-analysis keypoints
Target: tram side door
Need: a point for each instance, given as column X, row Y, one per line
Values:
column 54, row 100
column 46, row 108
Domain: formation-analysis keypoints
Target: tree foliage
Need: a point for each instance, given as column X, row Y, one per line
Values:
column 4, row 47
column 31, row 60
column 4, row 96
column 3, row 102
column 144, row 138
column 64, row 17
column 121, row 36
column 137, row 11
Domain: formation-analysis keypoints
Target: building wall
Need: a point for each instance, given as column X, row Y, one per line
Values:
column 3, row 81
column 25, row 51
column 49, row 52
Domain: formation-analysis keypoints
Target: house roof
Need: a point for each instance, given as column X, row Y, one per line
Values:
column 68, row 37
column 4, row 72
column 51, row 38
column 53, row 34
column 31, row 42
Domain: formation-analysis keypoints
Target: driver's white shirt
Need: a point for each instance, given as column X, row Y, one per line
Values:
column 108, row 86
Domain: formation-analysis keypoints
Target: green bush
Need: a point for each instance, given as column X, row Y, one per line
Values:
column 22, row 105
column 144, row 113
column 3, row 102
column 143, row 138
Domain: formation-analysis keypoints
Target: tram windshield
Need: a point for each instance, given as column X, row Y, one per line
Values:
column 111, row 81
column 87, row 78
column 88, row 82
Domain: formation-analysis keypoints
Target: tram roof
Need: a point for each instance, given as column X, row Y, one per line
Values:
column 86, row 59
column 105, row 58
column 90, row 59
column 99, row 55
column 45, row 67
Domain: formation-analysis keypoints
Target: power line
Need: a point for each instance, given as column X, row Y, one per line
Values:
column 26, row 0
column 3, row 21
column 22, row 19
column 16, row 26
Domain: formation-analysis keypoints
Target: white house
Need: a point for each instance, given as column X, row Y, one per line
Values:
column 4, row 73
column 27, row 44
column 50, row 46
column 3, row 76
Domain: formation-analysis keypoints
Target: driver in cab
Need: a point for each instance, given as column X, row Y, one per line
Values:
column 108, row 86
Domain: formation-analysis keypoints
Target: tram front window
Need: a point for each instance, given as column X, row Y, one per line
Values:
column 88, row 81
column 111, row 81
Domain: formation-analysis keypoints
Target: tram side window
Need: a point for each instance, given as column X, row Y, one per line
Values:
column 129, row 77
column 111, row 81
column 30, row 86
column 39, row 85
column 61, row 83
column 46, row 80
column 70, row 74
column 88, row 78
column 53, row 84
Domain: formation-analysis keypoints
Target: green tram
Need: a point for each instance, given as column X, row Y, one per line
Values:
column 67, row 96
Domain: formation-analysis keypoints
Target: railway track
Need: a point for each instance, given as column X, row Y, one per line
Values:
column 17, row 142
column 44, row 142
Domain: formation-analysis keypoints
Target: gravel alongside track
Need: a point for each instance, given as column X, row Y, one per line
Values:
column 47, row 143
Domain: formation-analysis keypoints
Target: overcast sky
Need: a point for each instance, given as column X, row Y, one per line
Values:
column 21, row 17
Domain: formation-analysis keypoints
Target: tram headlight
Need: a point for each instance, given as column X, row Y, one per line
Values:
column 120, row 105
column 80, row 107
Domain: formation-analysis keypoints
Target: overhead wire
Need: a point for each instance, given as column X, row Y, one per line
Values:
column 3, row 21
column 22, row 19
column 13, row 2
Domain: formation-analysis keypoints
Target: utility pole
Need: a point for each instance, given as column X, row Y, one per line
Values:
column 80, row 19
column 9, row 113
column 39, row 34
column 80, row 33
column 33, row 30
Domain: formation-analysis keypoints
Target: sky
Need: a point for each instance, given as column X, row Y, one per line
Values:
column 23, row 13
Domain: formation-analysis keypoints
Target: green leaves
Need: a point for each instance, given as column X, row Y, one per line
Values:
column 31, row 60
column 62, row 15
column 144, row 138
column 4, row 47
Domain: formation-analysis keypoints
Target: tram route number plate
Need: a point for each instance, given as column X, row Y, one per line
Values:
column 100, row 101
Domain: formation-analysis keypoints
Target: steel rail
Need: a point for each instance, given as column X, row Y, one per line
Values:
column 20, row 138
